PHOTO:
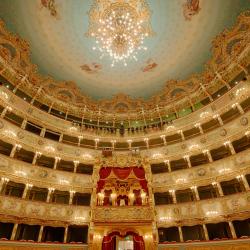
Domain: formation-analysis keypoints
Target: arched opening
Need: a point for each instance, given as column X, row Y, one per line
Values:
column 128, row 241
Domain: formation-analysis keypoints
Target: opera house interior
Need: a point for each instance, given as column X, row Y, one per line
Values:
column 124, row 124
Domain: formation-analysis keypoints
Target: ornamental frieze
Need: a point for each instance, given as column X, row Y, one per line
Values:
column 123, row 214
column 224, row 169
column 42, row 211
column 231, row 207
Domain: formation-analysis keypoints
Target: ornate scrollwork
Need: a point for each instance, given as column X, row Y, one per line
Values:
column 226, row 49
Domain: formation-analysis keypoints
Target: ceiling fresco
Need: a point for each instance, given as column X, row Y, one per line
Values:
column 181, row 44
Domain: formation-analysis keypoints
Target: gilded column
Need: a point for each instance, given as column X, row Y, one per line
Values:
column 167, row 162
column 217, row 116
column 172, row 192
column 36, row 156
column 40, row 234
column 76, row 163
column 230, row 146
column 51, row 190
column 24, row 123
column 208, row 154
column 205, row 231
column 65, row 235
column 187, row 159
column 3, row 182
column 232, row 229
column 13, row 234
column 218, row 187
column 181, row 234
column 71, row 196
column 26, row 189
column 182, row 135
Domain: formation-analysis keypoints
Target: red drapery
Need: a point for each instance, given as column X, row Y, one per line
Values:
column 108, row 242
column 122, row 173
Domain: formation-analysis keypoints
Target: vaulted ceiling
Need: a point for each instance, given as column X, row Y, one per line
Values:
column 180, row 46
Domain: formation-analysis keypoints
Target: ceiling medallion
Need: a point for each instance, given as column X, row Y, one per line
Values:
column 120, row 28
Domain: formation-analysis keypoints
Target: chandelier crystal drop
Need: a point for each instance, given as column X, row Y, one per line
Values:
column 120, row 28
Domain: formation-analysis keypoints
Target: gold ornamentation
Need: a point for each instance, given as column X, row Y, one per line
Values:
column 119, row 28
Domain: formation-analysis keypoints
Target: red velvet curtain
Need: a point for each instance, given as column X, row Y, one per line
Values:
column 139, row 172
column 122, row 173
column 138, row 242
column 104, row 172
column 108, row 243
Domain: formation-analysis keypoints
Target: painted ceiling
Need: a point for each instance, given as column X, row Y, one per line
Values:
column 184, row 31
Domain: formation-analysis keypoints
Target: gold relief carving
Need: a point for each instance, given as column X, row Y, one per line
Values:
column 123, row 214
column 238, row 163
column 37, row 212
column 226, row 49
column 219, row 246
column 30, row 246
column 38, row 176
column 122, row 161
column 233, row 207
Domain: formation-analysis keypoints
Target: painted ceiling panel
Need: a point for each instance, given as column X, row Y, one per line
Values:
column 59, row 46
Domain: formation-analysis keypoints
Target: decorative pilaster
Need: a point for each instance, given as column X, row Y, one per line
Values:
column 57, row 160
column 6, row 109
column 230, row 146
column 76, row 163
column 146, row 142
column 238, row 106
column 232, row 230
column 172, row 192
column 242, row 178
column 182, row 135
column 129, row 144
column 43, row 131
column 180, row 234
column 167, row 162
column 205, row 232
column 3, row 183
column 71, row 196
column 96, row 142
column 217, row 116
column 208, row 154
column 40, row 234
column 15, row 148
column 61, row 137
column 24, row 123
column 218, row 188
column 195, row 191
column 163, row 137
column 198, row 125
column 36, row 156
column 13, row 234
column 65, row 235
column 26, row 189
column 80, row 137
column 187, row 159
column 51, row 190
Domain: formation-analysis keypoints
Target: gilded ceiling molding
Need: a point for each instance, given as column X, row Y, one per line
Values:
column 227, row 48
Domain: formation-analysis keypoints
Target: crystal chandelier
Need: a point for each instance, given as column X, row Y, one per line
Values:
column 119, row 28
